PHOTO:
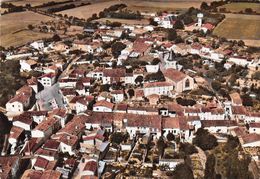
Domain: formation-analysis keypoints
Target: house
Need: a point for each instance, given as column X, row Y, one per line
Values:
column 52, row 144
column 98, row 120
column 219, row 126
column 23, row 121
column 207, row 27
column 47, row 154
column 27, row 65
column 82, row 105
column 254, row 127
column 181, row 81
column 238, row 113
column 38, row 45
column 142, row 124
column 159, row 88
column 111, row 76
column 250, row 140
column 118, row 96
column 16, row 135
column 252, row 117
column 90, row 168
column 46, row 128
column 38, row 116
column 103, row 106
column 19, row 102
column 172, row 163
column 48, row 79
column 235, row 99
column 9, row 166
column 68, row 143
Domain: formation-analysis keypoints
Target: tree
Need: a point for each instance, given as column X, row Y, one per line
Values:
column 131, row 93
column 183, row 171
column 161, row 145
column 204, row 6
column 210, row 167
column 170, row 136
column 156, row 61
column 152, row 22
column 116, row 48
column 256, row 75
column 188, row 148
column 117, row 137
column 139, row 79
column 248, row 11
column 56, row 38
column 187, row 20
column 172, row 34
column 30, row 27
column 216, row 85
column 205, row 140
column 179, row 24
column 247, row 100
column 241, row 43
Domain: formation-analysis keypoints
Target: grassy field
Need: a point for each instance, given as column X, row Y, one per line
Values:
column 13, row 28
column 237, row 7
column 125, row 21
column 239, row 26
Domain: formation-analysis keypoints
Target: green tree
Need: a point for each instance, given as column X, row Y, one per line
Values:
column 205, row 140
column 183, row 171
column 170, row 136
column 172, row 34
column 117, row 47
column 210, row 167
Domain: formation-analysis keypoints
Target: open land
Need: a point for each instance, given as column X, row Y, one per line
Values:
column 149, row 6
column 87, row 11
column 237, row 7
column 125, row 21
column 14, row 28
column 31, row 2
column 240, row 27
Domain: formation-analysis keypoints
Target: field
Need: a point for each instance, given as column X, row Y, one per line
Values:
column 154, row 6
column 149, row 6
column 125, row 21
column 237, row 7
column 87, row 11
column 32, row 2
column 239, row 26
column 13, row 28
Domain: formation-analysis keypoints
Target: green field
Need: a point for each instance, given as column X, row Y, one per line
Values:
column 237, row 7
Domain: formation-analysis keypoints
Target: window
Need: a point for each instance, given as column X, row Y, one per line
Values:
column 187, row 83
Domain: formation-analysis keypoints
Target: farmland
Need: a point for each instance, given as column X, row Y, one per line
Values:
column 237, row 7
column 31, row 2
column 238, row 26
column 87, row 11
column 14, row 28
column 149, row 6
column 154, row 6
column 125, row 21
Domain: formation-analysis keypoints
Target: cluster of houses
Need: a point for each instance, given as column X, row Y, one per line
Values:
column 62, row 118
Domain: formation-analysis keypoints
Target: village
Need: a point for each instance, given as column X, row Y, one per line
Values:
column 165, row 99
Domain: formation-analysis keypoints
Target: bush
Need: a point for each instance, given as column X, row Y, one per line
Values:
column 205, row 140
column 188, row 148
column 185, row 102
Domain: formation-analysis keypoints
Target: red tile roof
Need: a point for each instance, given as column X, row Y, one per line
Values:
column 104, row 103
column 157, row 84
column 91, row 166
column 41, row 162
column 174, row 75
